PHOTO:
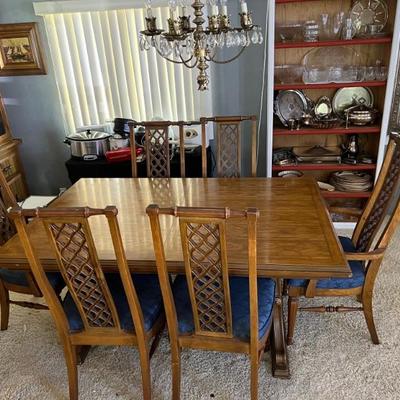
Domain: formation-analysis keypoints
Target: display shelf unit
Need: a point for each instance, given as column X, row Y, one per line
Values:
column 372, row 137
column 324, row 167
column 330, row 43
column 374, row 129
column 287, row 86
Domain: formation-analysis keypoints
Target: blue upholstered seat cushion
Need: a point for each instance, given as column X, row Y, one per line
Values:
column 149, row 294
column 19, row 278
column 239, row 290
column 355, row 281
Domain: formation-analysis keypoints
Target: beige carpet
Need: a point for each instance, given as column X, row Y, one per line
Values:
column 332, row 358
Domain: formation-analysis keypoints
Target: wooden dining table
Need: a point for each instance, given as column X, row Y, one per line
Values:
column 295, row 235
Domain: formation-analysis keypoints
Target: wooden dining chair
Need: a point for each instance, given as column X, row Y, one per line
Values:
column 207, row 308
column 17, row 281
column 99, row 309
column 156, row 148
column 364, row 251
column 229, row 144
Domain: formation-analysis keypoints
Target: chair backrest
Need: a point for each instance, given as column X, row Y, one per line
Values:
column 156, row 148
column 382, row 212
column 7, row 227
column 229, row 148
column 7, row 199
column 204, row 246
column 70, row 236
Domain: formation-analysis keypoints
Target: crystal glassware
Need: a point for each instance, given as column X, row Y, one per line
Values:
column 370, row 73
column 311, row 31
column 337, row 24
column 325, row 27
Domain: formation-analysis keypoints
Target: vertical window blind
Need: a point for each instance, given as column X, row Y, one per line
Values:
column 101, row 73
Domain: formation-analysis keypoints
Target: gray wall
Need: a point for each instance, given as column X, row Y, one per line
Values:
column 34, row 111
column 238, row 84
column 35, row 114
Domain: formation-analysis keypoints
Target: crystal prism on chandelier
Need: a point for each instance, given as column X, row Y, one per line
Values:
column 196, row 46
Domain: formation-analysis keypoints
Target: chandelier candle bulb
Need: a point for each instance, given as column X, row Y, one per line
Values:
column 243, row 7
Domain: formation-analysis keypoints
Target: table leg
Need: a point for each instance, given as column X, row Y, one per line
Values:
column 280, row 363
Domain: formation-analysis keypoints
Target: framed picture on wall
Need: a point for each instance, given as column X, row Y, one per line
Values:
column 20, row 50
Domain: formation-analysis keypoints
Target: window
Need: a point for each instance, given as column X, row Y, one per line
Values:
column 101, row 73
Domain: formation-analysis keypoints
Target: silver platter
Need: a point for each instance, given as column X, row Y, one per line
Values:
column 290, row 105
column 347, row 97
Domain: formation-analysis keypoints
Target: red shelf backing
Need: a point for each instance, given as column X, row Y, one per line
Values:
column 329, row 43
column 324, row 167
column 292, row 1
column 329, row 85
column 333, row 131
column 345, row 195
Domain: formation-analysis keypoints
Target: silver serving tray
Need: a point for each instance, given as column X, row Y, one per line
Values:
column 290, row 104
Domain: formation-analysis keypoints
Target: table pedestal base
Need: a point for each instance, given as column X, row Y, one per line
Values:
column 280, row 364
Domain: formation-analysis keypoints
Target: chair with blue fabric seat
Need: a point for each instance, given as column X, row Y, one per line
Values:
column 99, row 309
column 364, row 251
column 17, row 281
column 207, row 308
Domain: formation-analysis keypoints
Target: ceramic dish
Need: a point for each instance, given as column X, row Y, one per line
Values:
column 347, row 97
column 290, row 174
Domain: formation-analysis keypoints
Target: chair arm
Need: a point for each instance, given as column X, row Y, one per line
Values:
column 352, row 212
column 366, row 256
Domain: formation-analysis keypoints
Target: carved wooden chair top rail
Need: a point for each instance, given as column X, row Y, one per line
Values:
column 364, row 251
column 207, row 308
column 99, row 308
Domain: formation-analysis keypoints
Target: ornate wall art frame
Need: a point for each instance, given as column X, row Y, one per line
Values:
column 20, row 50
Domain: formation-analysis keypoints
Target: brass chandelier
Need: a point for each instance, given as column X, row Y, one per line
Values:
column 197, row 46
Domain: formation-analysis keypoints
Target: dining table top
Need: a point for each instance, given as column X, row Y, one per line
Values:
column 295, row 235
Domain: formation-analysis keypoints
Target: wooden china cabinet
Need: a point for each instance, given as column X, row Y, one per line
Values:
column 372, row 137
column 10, row 162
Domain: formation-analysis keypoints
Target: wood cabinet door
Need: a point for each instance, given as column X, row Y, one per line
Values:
column 18, row 187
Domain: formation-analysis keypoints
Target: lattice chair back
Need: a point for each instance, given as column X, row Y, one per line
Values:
column 229, row 147
column 6, row 193
column 7, row 227
column 71, row 238
column 7, row 199
column 156, row 147
column 203, row 237
column 382, row 212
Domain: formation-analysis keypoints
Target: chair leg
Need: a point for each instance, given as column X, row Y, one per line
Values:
column 368, row 314
column 176, row 371
column 254, row 376
column 293, row 304
column 72, row 367
column 4, row 306
column 145, row 369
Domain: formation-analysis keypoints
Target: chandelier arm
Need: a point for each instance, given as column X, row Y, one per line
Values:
column 185, row 62
column 231, row 59
column 168, row 59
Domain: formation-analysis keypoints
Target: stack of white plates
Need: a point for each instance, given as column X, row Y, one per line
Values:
column 347, row 181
